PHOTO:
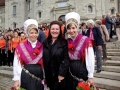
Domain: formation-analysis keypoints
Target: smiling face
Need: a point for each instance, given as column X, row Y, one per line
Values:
column 33, row 35
column 72, row 30
column 55, row 31
column 22, row 36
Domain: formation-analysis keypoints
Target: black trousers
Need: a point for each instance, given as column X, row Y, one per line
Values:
column 2, row 57
column 10, row 57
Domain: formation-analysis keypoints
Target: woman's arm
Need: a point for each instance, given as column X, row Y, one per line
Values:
column 65, row 63
column 90, row 63
column 16, row 69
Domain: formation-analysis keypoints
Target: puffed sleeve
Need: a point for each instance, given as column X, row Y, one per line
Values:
column 90, row 61
column 16, row 68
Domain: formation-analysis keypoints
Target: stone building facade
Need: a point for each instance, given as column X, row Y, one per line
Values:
column 44, row 11
column 2, row 14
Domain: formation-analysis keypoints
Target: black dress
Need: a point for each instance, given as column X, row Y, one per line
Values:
column 30, row 83
column 77, row 69
column 56, row 62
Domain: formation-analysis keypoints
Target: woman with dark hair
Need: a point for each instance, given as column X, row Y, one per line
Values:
column 83, row 29
column 28, row 66
column 55, row 58
column 8, row 50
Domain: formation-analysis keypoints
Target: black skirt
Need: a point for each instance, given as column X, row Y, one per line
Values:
column 79, row 70
column 30, row 83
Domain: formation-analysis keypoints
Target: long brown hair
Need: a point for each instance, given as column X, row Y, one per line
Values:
column 60, row 36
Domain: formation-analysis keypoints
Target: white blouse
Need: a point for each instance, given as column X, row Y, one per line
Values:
column 90, row 60
column 17, row 66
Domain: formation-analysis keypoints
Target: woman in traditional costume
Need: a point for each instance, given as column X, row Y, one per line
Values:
column 55, row 58
column 80, row 53
column 28, row 67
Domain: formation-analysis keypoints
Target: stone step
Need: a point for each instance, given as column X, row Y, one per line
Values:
column 111, row 68
column 6, row 68
column 111, row 63
column 108, row 75
column 6, row 73
column 107, row 83
column 5, row 83
column 113, row 53
column 113, row 58
column 113, row 50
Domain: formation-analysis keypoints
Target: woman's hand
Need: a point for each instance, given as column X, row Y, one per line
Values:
column 99, row 47
column 60, row 78
column 16, row 85
column 91, row 81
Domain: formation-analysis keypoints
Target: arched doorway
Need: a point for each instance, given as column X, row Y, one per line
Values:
column 62, row 17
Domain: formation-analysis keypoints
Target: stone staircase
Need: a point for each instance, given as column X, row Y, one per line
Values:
column 109, row 77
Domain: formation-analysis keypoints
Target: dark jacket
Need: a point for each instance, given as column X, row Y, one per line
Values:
column 41, row 36
column 56, row 61
column 108, row 23
column 96, row 34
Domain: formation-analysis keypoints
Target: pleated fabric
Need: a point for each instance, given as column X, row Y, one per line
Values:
column 29, row 83
column 79, row 70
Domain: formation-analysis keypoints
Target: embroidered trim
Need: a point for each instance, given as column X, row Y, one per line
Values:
column 37, row 59
column 72, row 20
column 75, row 55
column 28, row 55
column 25, row 52
column 30, row 27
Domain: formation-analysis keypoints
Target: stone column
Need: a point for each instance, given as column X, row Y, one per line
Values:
column 118, row 5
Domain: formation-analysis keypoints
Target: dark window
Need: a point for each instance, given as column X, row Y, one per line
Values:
column 112, row 11
column 28, row 5
column 14, row 10
column 39, row 14
column 14, row 25
column 90, row 10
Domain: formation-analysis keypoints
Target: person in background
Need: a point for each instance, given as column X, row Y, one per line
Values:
column 113, row 25
column 23, row 37
column 105, row 37
column 2, row 51
column 8, row 50
column 83, row 29
column 95, row 35
column 118, row 26
column 41, row 36
column 15, row 42
column 28, row 67
column 108, row 23
column 55, row 58
column 103, row 19
column 81, row 54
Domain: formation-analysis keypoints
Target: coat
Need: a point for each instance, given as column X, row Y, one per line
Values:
column 97, row 35
column 108, row 23
column 104, row 32
column 118, row 22
column 56, row 63
column 41, row 36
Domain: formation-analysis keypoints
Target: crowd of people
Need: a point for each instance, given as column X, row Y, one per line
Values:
column 62, row 53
